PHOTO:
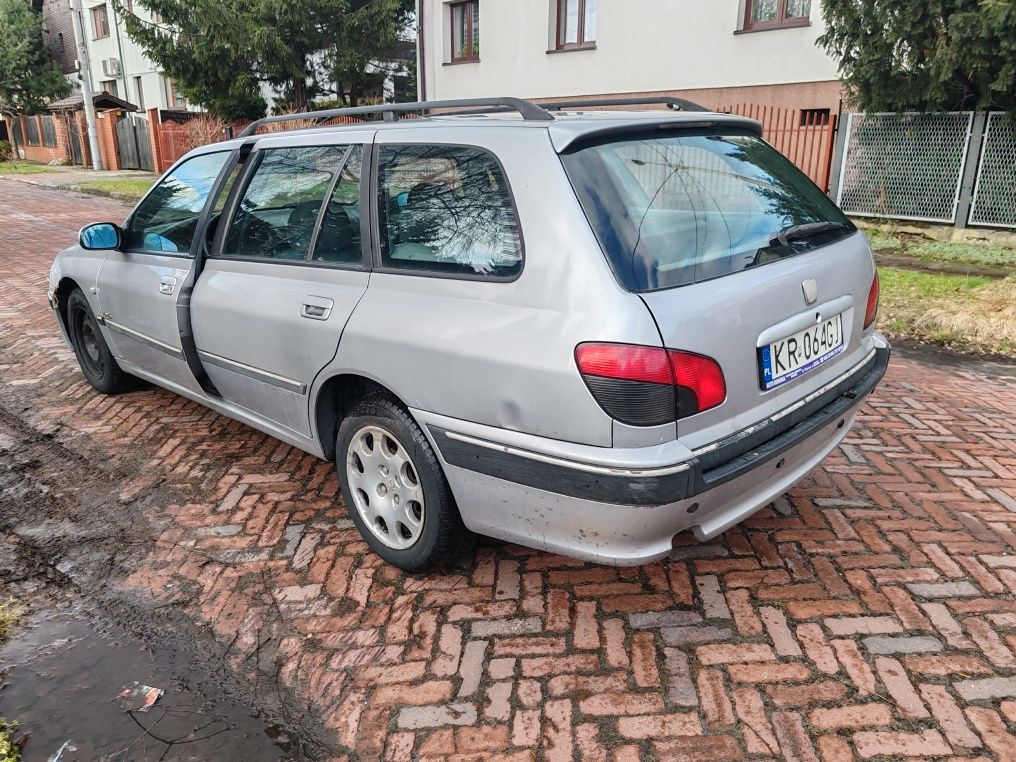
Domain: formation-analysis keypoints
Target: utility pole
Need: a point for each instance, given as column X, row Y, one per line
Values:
column 85, row 72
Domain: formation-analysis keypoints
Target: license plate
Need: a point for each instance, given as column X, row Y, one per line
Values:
column 789, row 358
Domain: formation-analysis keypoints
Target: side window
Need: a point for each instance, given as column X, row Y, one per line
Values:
column 219, row 203
column 339, row 237
column 167, row 218
column 447, row 209
column 278, row 211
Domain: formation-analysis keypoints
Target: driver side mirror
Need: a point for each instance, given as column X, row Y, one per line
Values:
column 100, row 235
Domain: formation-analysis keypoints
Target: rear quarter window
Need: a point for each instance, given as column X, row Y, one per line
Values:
column 680, row 209
column 447, row 210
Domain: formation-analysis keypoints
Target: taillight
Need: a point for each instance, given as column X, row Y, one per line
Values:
column 649, row 386
column 625, row 362
column 702, row 376
column 871, row 311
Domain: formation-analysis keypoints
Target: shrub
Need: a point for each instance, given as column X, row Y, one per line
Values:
column 202, row 130
column 9, row 750
column 294, row 124
column 6, row 154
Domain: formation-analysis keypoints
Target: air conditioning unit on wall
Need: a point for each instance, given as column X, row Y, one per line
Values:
column 111, row 67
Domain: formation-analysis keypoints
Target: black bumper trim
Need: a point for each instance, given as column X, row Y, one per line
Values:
column 751, row 447
column 561, row 479
column 728, row 459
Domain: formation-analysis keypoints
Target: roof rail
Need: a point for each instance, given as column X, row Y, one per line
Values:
column 389, row 111
column 678, row 104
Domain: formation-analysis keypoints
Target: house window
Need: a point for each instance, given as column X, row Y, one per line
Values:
column 173, row 98
column 109, row 86
column 100, row 22
column 576, row 23
column 466, row 31
column 140, row 90
column 768, row 14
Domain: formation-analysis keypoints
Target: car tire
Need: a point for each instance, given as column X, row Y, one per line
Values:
column 385, row 466
column 94, row 358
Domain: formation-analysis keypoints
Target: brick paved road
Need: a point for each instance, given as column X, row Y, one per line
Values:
column 869, row 614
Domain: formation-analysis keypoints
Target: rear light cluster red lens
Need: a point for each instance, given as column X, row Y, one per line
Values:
column 625, row 361
column 700, row 374
column 649, row 386
column 871, row 311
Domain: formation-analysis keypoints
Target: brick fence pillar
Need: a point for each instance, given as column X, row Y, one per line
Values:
column 107, row 140
column 155, row 139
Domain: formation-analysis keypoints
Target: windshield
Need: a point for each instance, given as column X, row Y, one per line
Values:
column 674, row 210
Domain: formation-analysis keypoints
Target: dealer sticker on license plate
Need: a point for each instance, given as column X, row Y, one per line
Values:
column 788, row 358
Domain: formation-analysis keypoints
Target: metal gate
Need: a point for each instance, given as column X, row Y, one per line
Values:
column 906, row 166
column 994, row 201
column 134, row 144
column 75, row 139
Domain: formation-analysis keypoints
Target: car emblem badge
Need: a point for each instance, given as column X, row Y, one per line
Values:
column 810, row 288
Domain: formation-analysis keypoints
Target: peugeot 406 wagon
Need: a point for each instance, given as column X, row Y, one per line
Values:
column 583, row 331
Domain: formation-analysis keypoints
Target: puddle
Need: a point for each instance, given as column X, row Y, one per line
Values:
column 64, row 538
column 66, row 671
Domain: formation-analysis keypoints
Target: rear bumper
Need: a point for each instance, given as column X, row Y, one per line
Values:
column 627, row 511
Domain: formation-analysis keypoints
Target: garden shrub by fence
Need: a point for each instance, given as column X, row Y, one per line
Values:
column 954, row 168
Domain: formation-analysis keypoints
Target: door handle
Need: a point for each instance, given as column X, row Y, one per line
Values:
column 167, row 285
column 316, row 307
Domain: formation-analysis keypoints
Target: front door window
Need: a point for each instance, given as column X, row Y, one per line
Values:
column 166, row 220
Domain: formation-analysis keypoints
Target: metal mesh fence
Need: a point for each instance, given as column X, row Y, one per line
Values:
column 994, row 201
column 906, row 166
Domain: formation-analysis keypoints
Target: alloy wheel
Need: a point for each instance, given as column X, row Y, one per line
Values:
column 386, row 487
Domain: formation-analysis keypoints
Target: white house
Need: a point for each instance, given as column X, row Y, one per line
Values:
column 119, row 65
column 716, row 52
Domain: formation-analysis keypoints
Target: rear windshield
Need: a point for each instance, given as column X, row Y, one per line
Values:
column 679, row 209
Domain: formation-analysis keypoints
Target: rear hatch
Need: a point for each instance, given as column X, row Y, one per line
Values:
column 738, row 256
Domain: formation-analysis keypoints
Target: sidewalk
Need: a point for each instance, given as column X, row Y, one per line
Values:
column 60, row 176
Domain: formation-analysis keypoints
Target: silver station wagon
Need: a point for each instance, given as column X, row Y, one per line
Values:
column 578, row 329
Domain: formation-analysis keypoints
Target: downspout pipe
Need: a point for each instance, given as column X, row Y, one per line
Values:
column 421, row 57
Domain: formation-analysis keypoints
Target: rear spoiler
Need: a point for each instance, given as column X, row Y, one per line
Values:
column 564, row 133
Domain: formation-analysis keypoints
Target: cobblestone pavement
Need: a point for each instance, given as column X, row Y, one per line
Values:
column 869, row 614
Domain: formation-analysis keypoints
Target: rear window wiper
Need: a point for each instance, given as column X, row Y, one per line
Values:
column 807, row 230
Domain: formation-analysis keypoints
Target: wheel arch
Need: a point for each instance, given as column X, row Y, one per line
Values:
column 334, row 398
column 64, row 288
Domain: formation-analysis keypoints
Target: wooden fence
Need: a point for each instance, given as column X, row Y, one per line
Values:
column 807, row 137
